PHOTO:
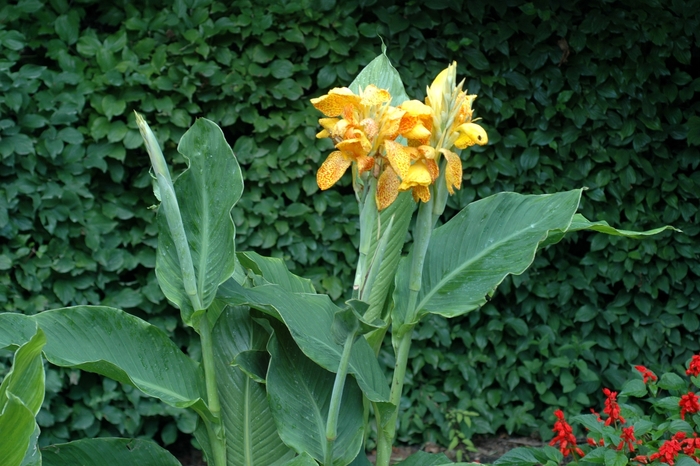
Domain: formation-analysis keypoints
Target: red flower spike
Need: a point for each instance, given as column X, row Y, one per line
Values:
column 689, row 404
column 564, row 436
column 646, row 374
column 641, row 459
column 612, row 409
column 627, row 438
column 690, row 445
column 694, row 366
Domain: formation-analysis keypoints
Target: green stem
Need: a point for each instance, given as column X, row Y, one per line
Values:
column 215, row 428
column 404, row 332
column 336, row 396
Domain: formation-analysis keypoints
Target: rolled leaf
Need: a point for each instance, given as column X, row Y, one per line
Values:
column 206, row 193
column 115, row 344
column 300, row 394
column 21, row 396
column 469, row 256
column 251, row 433
column 110, row 451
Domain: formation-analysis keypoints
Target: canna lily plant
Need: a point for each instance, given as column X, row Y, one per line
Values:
column 287, row 376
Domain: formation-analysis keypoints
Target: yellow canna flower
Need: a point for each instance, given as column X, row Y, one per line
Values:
column 358, row 125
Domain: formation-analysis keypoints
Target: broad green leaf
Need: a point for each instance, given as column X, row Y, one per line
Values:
column 251, row 435
column 118, row 345
column 671, row 381
column 33, row 455
column 422, row 458
column 522, row 456
column 309, row 318
column 634, row 387
column 382, row 74
column 111, row 451
column 469, row 256
column 16, row 427
column 274, row 270
column 302, row 460
column 300, row 394
column 206, row 192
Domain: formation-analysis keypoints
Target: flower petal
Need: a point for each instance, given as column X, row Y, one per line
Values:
column 418, row 175
column 332, row 169
column 357, row 147
column 372, row 95
column 333, row 103
column 399, row 157
column 453, row 173
column 387, row 188
column 421, row 193
column 470, row 134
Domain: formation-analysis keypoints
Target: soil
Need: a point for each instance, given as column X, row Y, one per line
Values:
column 488, row 450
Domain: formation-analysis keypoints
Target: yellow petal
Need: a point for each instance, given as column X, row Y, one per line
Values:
column 427, row 152
column 333, row 103
column 364, row 164
column 399, row 157
column 332, row 169
column 387, row 188
column 356, row 147
column 421, row 193
column 433, row 169
column 372, row 95
column 453, row 173
column 417, row 121
column 470, row 134
column 418, row 175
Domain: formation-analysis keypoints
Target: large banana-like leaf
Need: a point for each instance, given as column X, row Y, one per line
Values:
column 21, row 396
column 470, row 255
column 300, row 394
column 309, row 318
column 206, row 192
column 251, row 433
column 115, row 344
column 273, row 270
column 111, row 451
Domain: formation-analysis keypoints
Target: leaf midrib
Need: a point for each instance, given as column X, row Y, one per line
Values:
column 454, row 272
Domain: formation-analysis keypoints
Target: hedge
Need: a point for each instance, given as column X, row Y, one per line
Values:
column 618, row 115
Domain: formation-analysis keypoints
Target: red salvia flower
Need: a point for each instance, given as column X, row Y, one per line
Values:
column 689, row 404
column 690, row 445
column 646, row 373
column 612, row 409
column 641, row 459
column 694, row 366
column 628, row 439
column 668, row 452
column 564, row 436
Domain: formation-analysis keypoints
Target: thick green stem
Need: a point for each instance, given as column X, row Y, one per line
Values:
column 215, row 428
column 336, row 396
column 404, row 332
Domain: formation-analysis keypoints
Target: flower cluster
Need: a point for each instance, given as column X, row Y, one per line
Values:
column 365, row 127
column 564, row 438
column 645, row 445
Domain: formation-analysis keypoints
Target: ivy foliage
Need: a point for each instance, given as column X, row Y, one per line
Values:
column 598, row 94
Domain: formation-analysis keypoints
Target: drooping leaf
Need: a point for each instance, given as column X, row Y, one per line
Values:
column 251, row 434
column 118, row 345
column 469, row 256
column 300, row 395
column 113, row 451
column 309, row 317
column 26, row 377
column 274, row 270
column 206, row 192
column 580, row 223
column 382, row 74
column 16, row 426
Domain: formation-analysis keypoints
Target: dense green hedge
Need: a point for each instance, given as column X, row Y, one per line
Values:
column 619, row 116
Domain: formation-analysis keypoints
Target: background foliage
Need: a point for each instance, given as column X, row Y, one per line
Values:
column 619, row 116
